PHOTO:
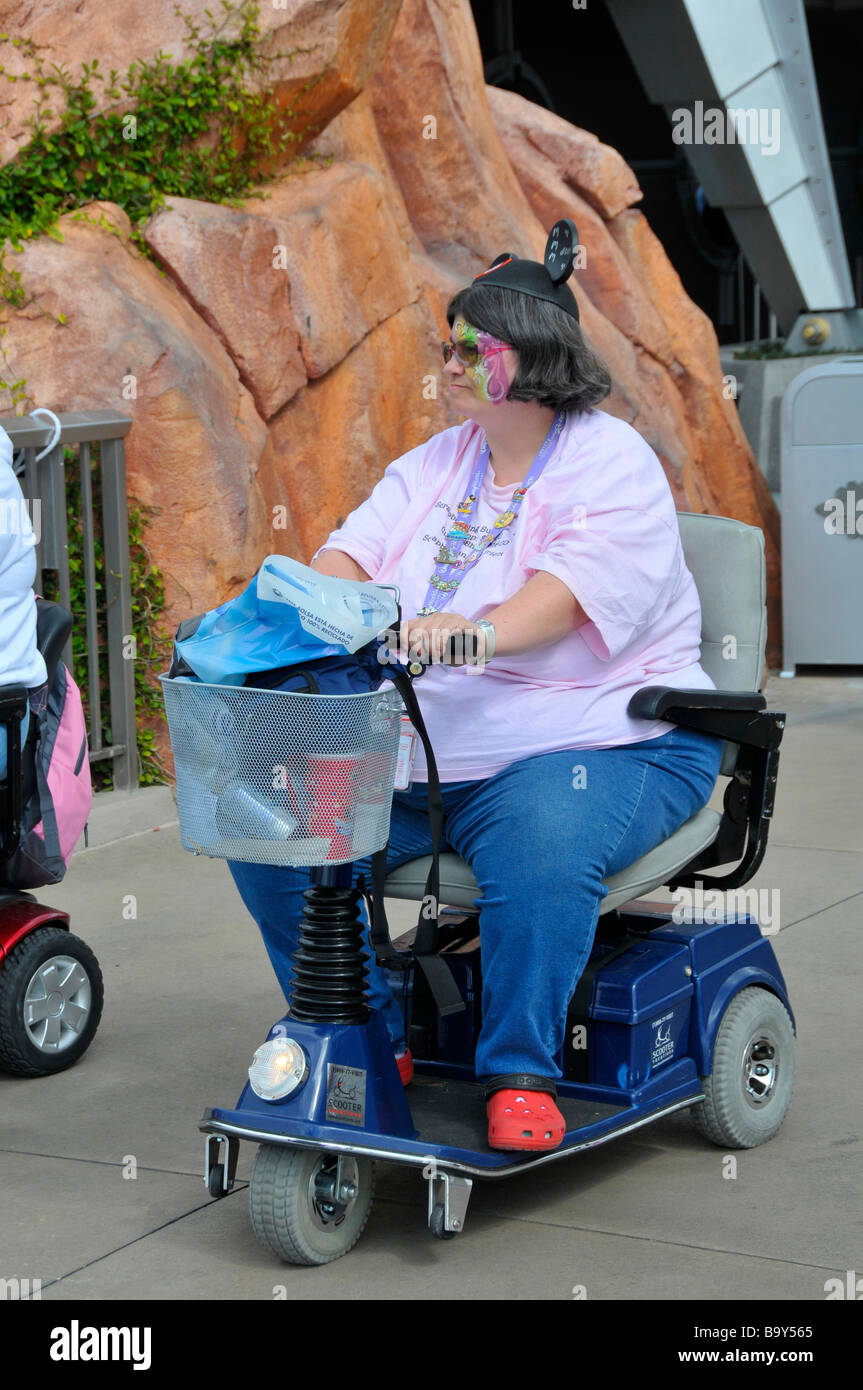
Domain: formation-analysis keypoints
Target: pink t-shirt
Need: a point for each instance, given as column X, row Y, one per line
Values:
column 600, row 518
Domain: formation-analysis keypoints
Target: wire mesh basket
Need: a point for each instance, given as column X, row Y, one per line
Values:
column 276, row 777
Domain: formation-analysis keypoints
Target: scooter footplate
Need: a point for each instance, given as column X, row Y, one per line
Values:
column 452, row 1113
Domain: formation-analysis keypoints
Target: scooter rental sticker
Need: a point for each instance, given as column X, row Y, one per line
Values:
column 346, row 1094
column 662, row 1048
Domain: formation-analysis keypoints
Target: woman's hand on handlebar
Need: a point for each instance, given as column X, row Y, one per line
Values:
column 445, row 639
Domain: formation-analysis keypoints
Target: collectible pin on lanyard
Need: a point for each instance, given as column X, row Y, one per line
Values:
column 451, row 567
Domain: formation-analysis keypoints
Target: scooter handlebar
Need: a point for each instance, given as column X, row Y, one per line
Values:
column 462, row 649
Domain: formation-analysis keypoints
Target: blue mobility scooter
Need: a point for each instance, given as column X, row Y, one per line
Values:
column 50, row 982
column 675, row 1009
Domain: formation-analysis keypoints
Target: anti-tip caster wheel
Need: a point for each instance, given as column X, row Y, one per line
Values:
column 748, row 1092
column 437, row 1226
column 216, row 1182
column 309, row 1207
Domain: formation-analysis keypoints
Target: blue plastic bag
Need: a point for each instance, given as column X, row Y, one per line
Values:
column 288, row 615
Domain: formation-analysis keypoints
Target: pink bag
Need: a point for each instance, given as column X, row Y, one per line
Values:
column 56, row 813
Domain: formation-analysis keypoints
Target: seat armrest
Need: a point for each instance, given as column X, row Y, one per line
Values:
column 654, row 701
column 740, row 717
column 736, row 715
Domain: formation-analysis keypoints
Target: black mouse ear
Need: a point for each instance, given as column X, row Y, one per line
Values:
column 560, row 250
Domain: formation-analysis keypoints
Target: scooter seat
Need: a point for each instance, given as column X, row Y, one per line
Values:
column 459, row 888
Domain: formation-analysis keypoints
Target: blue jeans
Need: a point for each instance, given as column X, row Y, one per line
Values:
column 540, row 837
column 4, row 741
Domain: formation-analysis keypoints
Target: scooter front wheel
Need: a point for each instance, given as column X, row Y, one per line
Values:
column 307, row 1206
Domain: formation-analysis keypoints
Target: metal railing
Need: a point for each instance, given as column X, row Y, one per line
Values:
column 43, row 483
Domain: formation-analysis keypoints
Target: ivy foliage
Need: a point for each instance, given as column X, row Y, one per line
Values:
column 203, row 128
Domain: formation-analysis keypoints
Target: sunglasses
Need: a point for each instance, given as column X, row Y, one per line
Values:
column 468, row 354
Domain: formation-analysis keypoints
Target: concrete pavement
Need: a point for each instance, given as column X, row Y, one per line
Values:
column 190, row 993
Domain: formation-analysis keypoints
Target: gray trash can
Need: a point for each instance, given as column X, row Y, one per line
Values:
column 822, row 516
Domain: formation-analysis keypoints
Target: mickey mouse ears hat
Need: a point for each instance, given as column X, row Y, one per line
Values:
column 546, row 281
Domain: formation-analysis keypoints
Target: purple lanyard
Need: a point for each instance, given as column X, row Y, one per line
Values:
column 451, row 568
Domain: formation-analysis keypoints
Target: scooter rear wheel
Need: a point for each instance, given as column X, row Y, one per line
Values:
column 748, row 1092
column 50, row 1002
column 308, row 1206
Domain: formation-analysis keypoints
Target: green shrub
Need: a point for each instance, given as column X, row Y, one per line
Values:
column 195, row 129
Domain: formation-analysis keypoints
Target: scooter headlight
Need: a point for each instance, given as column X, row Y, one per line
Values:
column 278, row 1067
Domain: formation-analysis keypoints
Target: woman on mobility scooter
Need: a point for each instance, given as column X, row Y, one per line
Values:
column 546, row 527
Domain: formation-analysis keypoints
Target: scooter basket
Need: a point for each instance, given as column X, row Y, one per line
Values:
column 277, row 777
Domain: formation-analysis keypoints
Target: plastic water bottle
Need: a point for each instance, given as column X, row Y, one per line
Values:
column 242, row 811
column 203, row 754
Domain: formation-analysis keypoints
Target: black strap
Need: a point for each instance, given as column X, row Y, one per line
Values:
column 519, row 1081
column 427, row 923
column 280, row 675
column 578, row 1013
column 441, row 982
column 439, row 977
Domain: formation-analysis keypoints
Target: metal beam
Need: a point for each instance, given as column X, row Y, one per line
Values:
column 767, row 166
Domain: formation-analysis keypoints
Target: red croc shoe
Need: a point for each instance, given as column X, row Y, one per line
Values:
column 405, row 1064
column 524, row 1120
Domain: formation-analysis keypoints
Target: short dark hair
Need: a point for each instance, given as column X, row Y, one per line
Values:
column 555, row 365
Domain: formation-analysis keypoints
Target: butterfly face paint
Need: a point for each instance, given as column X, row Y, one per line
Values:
column 488, row 374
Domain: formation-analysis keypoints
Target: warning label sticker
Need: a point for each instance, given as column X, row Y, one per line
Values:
column 346, row 1094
